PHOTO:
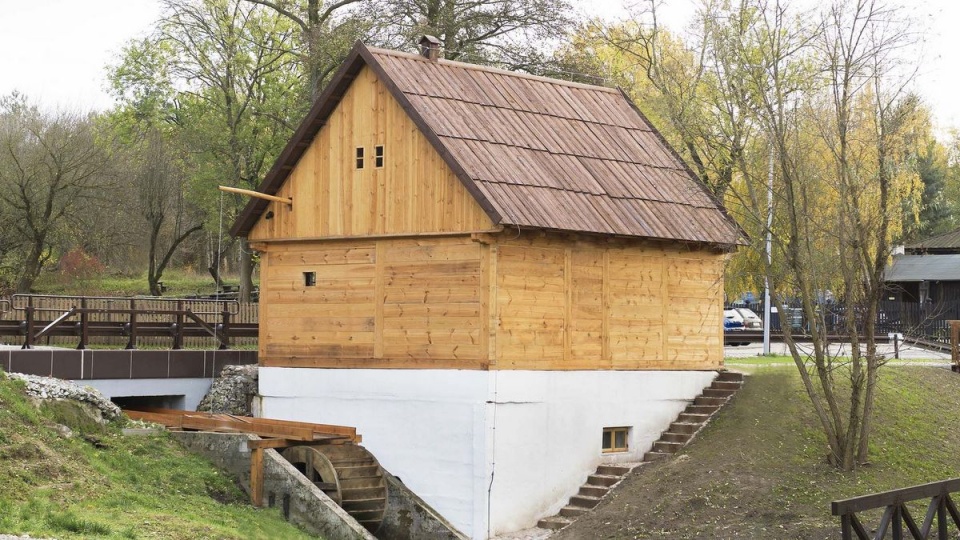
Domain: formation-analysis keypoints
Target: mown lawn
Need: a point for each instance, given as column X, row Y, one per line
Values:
column 759, row 469
column 100, row 484
column 178, row 283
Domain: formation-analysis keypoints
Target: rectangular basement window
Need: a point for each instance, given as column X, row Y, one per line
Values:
column 309, row 279
column 615, row 439
column 378, row 156
column 359, row 157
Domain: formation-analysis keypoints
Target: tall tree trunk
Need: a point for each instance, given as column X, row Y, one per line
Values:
column 31, row 267
column 246, row 271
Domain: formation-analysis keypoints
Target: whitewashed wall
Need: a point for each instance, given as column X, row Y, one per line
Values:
column 527, row 438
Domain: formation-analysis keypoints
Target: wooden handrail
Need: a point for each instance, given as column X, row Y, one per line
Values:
column 897, row 514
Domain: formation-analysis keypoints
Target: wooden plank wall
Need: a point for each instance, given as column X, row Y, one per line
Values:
column 414, row 192
column 565, row 305
column 388, row 303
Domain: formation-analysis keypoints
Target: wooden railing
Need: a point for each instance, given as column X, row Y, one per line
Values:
column 39, row 317
column 896, row 514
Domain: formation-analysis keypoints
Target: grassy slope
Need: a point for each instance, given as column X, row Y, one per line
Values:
column 178, row 283
column 132, row 487
column 758, row 470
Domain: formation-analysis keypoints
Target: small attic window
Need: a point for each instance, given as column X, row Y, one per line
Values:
column 378, row 156
column 359, row 157
column 309, row 279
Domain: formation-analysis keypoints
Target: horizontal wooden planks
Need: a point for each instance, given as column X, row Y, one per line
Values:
column 402, row 302
column 593, row 305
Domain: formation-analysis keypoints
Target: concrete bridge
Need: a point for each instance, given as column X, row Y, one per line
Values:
column 175, row 379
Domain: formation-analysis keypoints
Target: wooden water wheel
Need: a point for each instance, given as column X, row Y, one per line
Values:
column 349, row 475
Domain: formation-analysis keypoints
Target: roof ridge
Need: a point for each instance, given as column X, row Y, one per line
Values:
column 491, row 69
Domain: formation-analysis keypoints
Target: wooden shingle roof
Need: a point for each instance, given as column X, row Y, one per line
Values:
column 534, row 152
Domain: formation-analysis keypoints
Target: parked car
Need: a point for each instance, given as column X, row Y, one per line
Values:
column 733, row 323
column 751, row 321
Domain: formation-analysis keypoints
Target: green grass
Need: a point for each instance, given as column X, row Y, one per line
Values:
column 781, row 360
column 178, row 282
column 101, row 484
column 759, row 469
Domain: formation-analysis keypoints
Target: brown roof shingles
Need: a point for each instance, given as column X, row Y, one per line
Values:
column 547, row 154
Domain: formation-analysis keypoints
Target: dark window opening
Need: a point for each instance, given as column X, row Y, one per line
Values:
column 378, row 154
column 309, row 279
column 360, row 157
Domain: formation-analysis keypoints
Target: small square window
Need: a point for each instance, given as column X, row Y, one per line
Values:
column 309, row 279
column 615, row 439
column 360, row 157
column 378, row 156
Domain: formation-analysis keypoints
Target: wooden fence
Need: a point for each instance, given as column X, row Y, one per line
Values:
column 114, row 319
column 897, row 518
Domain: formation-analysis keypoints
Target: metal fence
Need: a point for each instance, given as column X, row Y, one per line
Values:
column 929, row 321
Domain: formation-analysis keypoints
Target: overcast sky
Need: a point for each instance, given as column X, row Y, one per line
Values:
column 54, row 51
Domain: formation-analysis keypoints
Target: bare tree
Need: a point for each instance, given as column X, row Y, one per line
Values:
column 161, row 195
column 49, row 164
column 327, row 30
column 511, row 33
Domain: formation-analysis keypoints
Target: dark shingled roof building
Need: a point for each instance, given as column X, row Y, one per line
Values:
column 534, row 152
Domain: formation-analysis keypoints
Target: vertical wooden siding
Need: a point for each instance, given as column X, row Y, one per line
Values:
column 414, row 192
column 586, row 305
column 395, row 303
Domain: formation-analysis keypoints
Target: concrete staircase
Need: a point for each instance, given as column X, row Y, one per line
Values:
column 680, row 432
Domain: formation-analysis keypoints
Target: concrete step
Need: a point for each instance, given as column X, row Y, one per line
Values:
column 718, row 392
column 693, row 418
column 593, row 491
column 681, row 438
column 584, row 501
column 554, row 523
column 715, row 401
column 706, row 410
column 667, row 447
column 655, row 456
column 612, row 470
column 572, row 511
column 726, row 385
column 684, row 427
column 730, row 376
column 605, row 480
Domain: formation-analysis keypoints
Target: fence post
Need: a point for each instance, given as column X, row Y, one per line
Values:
column 178, row 333
column 955, row 344
column 84, row 324
column 132, row 344
column 28, row 342
column 225, row 328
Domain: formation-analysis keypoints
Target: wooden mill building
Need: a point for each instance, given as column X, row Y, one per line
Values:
column 482, row 270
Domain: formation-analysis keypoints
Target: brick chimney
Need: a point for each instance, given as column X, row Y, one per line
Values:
column 430, row 48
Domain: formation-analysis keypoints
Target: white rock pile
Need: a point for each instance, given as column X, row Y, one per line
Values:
column 233, row 392
column 50, row 388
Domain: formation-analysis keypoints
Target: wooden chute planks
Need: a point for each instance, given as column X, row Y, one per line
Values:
column 263, row 427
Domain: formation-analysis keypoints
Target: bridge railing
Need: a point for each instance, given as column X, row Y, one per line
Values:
column 896, row 515
column 129, row 322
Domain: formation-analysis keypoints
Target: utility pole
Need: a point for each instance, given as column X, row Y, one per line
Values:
column 766, row 275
